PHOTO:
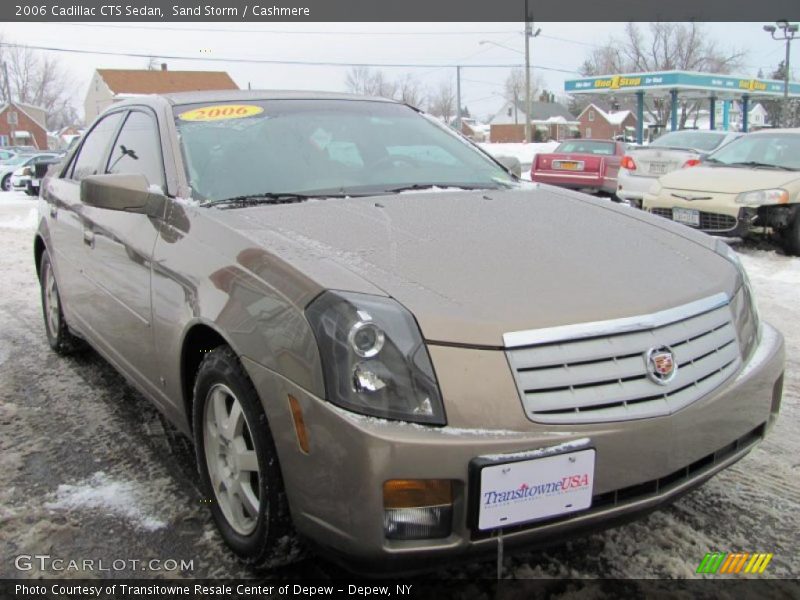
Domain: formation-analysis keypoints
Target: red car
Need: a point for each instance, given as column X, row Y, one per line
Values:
column 581, row 164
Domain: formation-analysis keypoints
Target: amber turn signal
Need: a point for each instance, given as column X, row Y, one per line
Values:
column 414, row 493
column 299, row 424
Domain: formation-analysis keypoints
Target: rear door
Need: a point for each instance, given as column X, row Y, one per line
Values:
column 119, row 248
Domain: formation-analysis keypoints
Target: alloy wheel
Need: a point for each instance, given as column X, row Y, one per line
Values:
column 231, row 459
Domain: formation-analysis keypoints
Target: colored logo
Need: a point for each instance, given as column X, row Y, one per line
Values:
column 720, row 563
column 661, row 365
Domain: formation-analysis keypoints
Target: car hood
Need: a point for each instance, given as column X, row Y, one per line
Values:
column 472, row 266
column 727, row 180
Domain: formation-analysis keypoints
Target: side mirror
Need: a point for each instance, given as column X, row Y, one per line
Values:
column 511, row 163
column 125, row 192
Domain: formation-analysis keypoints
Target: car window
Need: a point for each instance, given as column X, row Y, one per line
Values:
column 690, row 140
column 91, row 153
column 779, row 149
column 587, row 147
column 137, row 149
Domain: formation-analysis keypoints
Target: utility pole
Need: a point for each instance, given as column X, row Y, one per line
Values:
column 458, row 98
column 789, row 32
column 527, row 75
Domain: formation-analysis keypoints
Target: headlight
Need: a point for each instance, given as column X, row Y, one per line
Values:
column 374, row 359
column 760, row 197
column 743, row 305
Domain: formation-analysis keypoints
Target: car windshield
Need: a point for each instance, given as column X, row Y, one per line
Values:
column 319, row 147
column 780, row 150
column 586, row 147
column 705, row 141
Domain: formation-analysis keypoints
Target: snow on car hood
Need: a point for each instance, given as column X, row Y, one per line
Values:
column 727, row 180
column 474, row 265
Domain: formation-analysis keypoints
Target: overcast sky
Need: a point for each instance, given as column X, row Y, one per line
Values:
column 559, row 50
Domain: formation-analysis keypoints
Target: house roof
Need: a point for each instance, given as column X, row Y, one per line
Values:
column 138, row 81
column 613, row 118
column 541, row 111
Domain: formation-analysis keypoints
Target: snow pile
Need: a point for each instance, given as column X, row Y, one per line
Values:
column 19, row 222
column 115, row 498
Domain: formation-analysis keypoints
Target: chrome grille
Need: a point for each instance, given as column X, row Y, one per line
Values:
column 708, row 221
column 597, row 372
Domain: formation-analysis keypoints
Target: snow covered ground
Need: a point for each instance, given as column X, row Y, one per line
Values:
column 88, row 469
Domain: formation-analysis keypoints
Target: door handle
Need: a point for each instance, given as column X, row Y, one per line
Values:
column 88, row 237
column 53, row 211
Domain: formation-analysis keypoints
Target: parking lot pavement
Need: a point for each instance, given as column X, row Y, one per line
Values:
column 89, row 470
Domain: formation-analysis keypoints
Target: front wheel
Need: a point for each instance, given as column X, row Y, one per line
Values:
column 791, row 235
column 6, row 184
column 237, row 461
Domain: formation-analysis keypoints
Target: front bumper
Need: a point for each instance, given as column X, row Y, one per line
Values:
column 335, row 491
column 718, row 216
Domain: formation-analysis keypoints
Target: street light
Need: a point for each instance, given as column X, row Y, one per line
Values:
column 789, row 32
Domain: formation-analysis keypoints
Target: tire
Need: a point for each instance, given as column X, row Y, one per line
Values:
column 249, row 506
column 6, row 184
column 55, row 326
column 790, row 237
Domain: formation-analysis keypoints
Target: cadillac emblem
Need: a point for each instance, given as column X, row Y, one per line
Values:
column 661, row 365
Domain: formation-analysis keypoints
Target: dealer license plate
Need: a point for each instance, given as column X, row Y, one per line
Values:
column 528, row 490
column 658, row 168
column 568, row 165
column 687, row 216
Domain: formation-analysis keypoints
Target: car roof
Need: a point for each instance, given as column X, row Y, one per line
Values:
column 794, row 130
column 179, row 98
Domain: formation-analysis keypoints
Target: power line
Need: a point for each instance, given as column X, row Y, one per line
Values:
column 277, row 62
column 248, row 60
column 282, row 32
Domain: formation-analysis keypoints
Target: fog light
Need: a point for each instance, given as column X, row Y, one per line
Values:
column 417, row 509
column 417, row 523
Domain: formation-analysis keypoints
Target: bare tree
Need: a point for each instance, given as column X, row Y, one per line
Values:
column 664, row 47
column 514, row 88
column 39, row 79
column 442, row 102
column 370, row 82
column 410, row 91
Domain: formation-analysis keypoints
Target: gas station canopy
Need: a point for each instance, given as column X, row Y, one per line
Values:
column 685, row 84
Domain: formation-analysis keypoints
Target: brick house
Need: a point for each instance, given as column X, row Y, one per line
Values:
column 594, row 122
column 111, row 85
column 23, row 124
column 549, row 121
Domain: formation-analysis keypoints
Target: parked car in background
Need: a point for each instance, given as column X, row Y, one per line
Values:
column 40, row 170
column 7, row 169
column 287, row 276
column 642, row 165
column 752, row 182
column 584, row 164
column 21, row 177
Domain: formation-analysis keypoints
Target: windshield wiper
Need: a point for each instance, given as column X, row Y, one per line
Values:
column 267, row 198
column 430, row 186
column 755, row 163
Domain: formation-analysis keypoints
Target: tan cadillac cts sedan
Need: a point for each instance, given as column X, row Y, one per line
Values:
column 381, row 340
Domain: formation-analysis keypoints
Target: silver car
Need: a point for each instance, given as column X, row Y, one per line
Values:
column 641, row 167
